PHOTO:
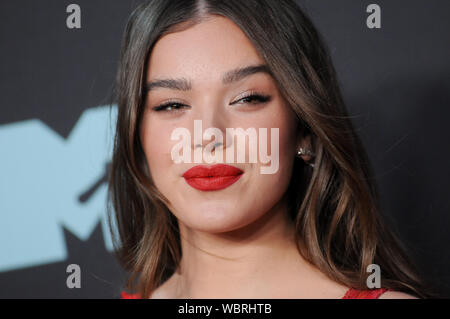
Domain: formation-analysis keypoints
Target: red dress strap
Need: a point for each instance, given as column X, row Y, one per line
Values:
column 125, row 295
column 364, row 294
column 350, row 294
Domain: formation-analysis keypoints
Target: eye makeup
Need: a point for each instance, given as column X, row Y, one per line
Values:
column 251, row 98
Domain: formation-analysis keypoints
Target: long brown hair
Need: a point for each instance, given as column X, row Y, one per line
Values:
column 334, row 205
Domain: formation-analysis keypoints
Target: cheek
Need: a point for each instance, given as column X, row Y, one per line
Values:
column 286, row 148
column 267, row 189
column 284, row 120
column 157, row 146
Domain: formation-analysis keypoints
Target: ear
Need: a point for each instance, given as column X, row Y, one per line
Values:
column 304, row 141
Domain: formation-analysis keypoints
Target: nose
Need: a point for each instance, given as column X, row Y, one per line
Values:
column 215, row 145
column 210, row 121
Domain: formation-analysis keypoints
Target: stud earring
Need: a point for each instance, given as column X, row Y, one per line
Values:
column 305, row 151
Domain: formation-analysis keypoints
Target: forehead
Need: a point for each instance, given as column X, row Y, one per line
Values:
column 202, row 52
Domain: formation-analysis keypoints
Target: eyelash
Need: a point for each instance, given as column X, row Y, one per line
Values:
column 260, row 98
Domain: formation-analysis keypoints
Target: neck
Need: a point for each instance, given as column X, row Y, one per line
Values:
column 252, row 261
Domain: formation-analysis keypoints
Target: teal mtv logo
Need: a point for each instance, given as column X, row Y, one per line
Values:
column 47, row 182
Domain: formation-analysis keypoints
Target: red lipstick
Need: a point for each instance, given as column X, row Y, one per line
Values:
column 212, row 178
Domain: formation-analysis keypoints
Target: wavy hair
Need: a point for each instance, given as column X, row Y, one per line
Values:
column 334, row 206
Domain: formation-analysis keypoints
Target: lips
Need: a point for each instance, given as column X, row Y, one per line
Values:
column 212, row 178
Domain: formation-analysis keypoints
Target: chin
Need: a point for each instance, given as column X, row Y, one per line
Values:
column 215, row 217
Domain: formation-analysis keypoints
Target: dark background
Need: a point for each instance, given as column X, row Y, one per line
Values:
column 395, row 81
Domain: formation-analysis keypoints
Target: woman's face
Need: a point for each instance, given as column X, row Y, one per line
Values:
column 201, row 55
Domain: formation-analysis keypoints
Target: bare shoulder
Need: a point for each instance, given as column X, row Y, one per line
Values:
column 396, row 295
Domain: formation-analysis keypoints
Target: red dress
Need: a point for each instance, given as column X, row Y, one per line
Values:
column 350, row 294
column 364, row 294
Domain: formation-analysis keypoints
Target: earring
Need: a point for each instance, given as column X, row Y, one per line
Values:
column 305, row 151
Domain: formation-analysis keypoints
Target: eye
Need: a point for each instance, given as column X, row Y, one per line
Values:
column 170, row 107
column 253, row 98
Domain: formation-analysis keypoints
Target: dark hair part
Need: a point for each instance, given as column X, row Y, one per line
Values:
column 334, row 205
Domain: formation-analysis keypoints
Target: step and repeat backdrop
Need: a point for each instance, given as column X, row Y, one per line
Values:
column 58, row 61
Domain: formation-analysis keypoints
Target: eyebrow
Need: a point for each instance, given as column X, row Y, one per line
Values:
column 229, row 77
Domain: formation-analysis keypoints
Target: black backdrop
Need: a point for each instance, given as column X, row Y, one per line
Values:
column 395, row 80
